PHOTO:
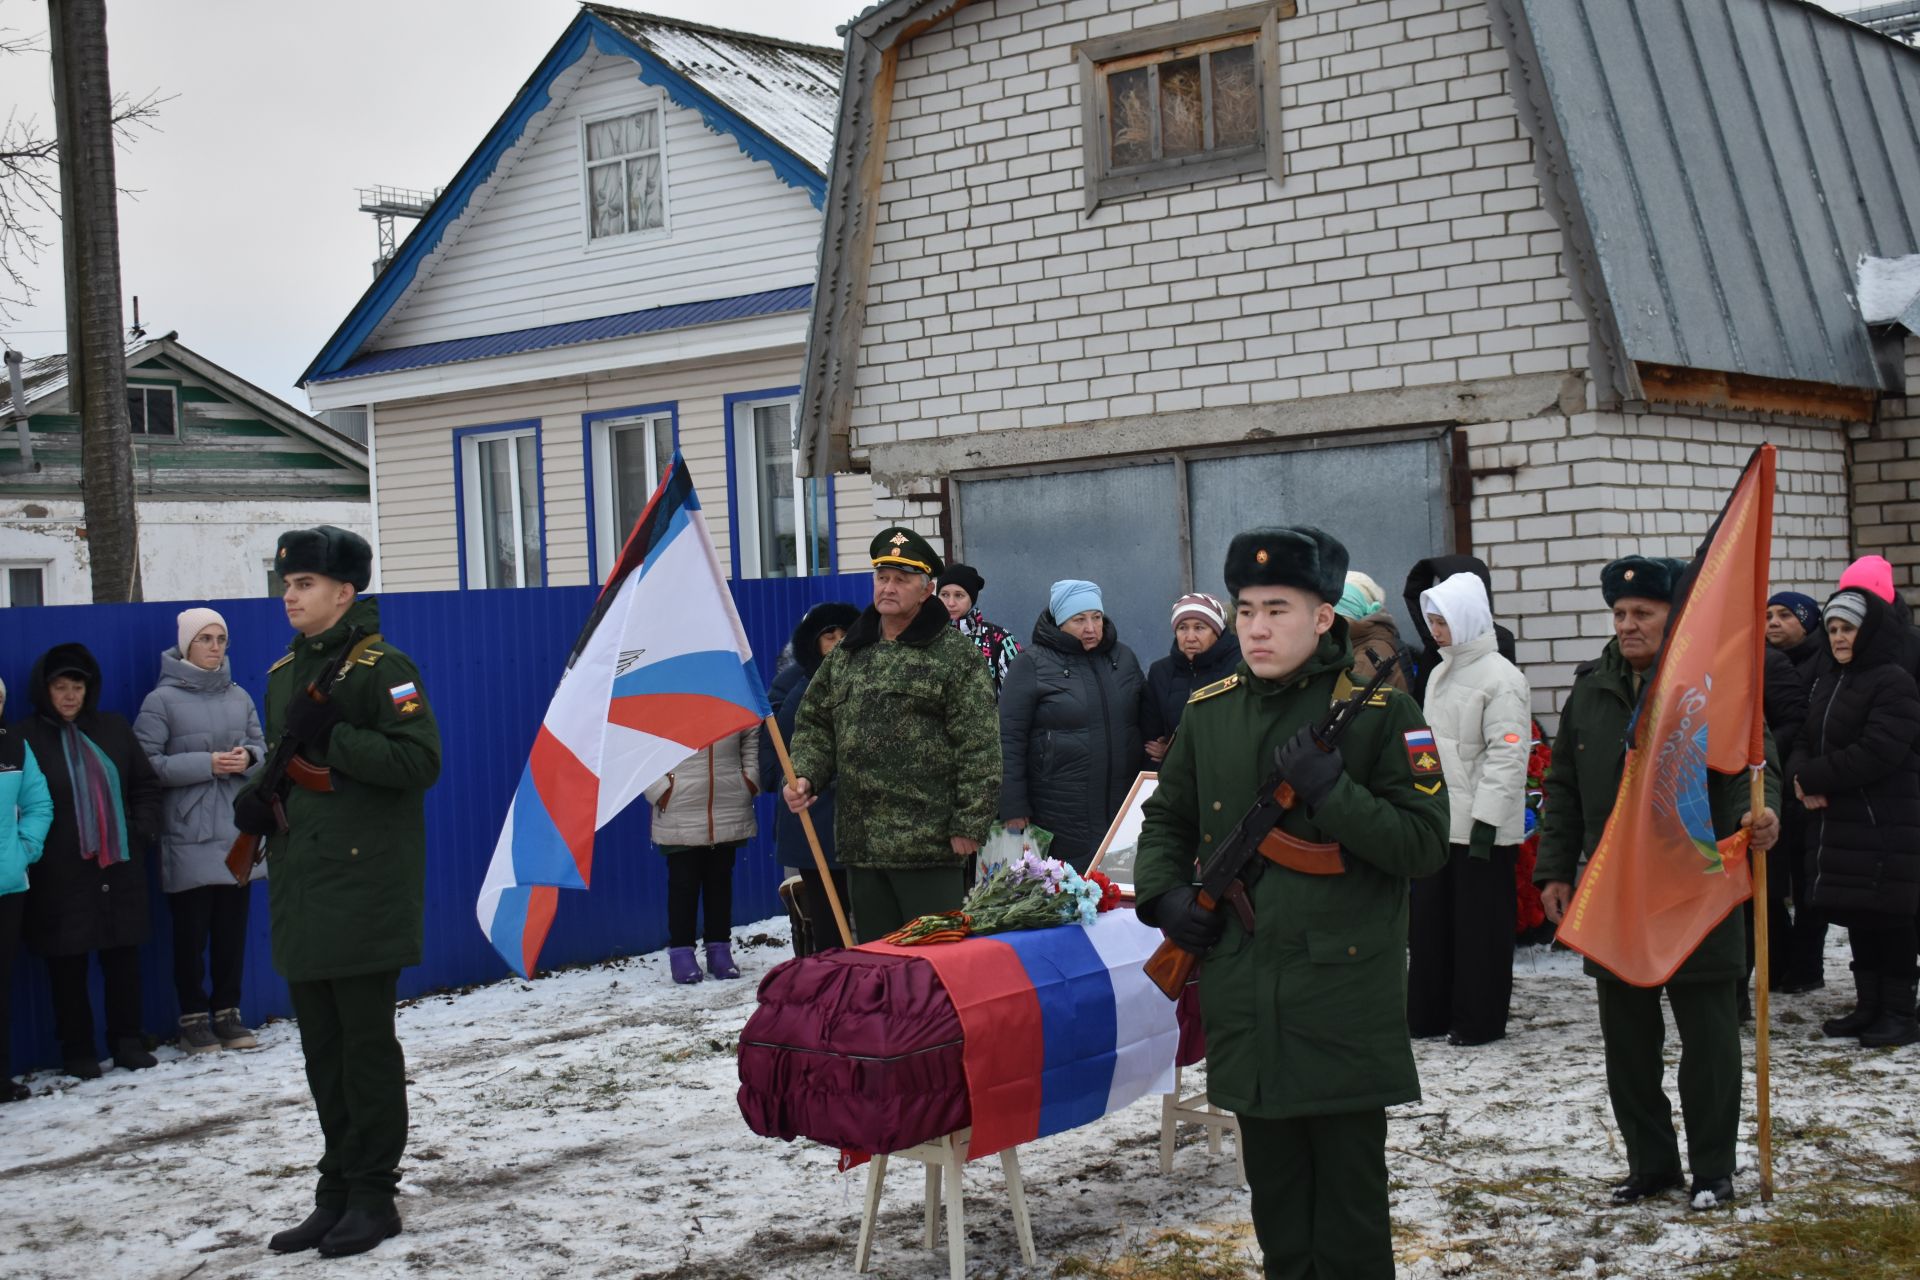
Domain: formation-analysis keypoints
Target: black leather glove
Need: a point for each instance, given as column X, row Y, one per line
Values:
column 1181, row 917
column 311, row 723
column 253, row 814
column 1480, row 843
column 1312, row 772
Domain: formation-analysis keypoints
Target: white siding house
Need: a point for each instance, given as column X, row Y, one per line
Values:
column 622, row 268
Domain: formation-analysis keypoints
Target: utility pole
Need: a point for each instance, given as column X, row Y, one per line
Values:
column 90, row 249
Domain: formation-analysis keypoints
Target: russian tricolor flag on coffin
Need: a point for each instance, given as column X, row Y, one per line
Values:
column 661, row 669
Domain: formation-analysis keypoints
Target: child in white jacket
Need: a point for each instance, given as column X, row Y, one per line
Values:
column 1460, row 948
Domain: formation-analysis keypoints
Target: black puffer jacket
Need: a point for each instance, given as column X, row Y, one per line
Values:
column 789, row 838
column 1172, row 680
column 1424, row 574
column 1071, row 742
column 74, row 905
column 1857, row 750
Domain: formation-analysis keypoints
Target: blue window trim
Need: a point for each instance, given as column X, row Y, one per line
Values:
column 732, row 398
column 460, row 436
column 669, row 407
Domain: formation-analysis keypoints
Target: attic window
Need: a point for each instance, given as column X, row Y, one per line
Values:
column 151, row 411
column 625, row 174
column 1181, row 103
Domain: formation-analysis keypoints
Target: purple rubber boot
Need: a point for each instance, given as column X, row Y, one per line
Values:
column 685, row 968
column 720, row 960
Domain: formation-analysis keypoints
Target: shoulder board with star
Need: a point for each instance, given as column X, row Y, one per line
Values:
column 283, row 662
column 1215, row 689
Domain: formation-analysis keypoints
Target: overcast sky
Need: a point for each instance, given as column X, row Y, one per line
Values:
column 242, row 231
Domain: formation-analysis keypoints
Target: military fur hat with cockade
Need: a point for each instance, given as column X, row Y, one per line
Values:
column 898, row 548
column 1296, row 556
column 1641, row 577
column 331, row 552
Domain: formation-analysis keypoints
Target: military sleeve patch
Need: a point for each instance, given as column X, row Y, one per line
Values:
column 1423, row 755
column 406, row 698
column 1214, row 690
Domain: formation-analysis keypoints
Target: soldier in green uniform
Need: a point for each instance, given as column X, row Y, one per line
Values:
column 1305, row 1016
column 1581, row 786
column 348, row 892
column 901, row 719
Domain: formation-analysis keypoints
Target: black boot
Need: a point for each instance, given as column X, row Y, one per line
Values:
column 1896, row 1024
column 1711, row 1193
column 14, row 1091
column 307, row 1234
column 359, row 1230
column 81, row 1068
column 1641, row 1186
column 1866, row 1008
column 132, row 1055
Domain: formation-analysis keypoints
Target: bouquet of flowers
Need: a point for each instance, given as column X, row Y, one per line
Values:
column 1030, row 893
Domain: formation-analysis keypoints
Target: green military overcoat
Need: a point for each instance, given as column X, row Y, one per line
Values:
column 1589, row 753
column 348, row 891
column 907, row 733
column 1308, row 1016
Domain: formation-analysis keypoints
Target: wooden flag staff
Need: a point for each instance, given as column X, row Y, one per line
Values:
column 813, row 837
column 1756, row 805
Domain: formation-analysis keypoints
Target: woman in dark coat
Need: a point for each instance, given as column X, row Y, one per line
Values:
column 819, row 631
column 1857, row 772
column 89, row 891
column 1202, row 653
column 1071, row 743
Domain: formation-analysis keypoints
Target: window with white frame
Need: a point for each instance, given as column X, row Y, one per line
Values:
column 784, row 525
column 23, row 585
column 153, row 411
column 625, row 174
column 630, row 455
column 500, row 482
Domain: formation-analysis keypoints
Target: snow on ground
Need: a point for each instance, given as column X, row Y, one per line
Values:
column 584, row 1125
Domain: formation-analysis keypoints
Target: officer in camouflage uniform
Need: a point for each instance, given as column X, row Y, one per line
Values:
column 1305, row 1016
column 348, row 892
column 1581, row 786
column 902, row 721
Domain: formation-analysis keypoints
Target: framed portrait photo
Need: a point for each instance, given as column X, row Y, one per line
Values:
column 1116, row 853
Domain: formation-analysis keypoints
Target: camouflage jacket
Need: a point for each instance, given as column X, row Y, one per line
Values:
column 907, row 732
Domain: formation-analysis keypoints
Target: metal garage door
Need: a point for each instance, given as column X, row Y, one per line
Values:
column 1149, row 529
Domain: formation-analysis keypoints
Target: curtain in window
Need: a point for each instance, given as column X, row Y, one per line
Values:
column 773, row 451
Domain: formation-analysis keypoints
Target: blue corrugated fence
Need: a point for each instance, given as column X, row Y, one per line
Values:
column 489, row 661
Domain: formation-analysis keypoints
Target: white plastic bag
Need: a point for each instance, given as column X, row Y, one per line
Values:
column 1004, row 846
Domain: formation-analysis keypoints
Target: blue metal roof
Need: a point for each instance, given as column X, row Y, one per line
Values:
column 685, row 315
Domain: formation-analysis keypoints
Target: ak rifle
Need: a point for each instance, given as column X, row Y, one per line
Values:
column 1236, row 864
column 286, row 767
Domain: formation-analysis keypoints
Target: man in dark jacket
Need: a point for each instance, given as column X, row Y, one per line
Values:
column 1795, row 633
column 1420, row 580
column 1581, row 787
column 823, row 627
column 347, row 896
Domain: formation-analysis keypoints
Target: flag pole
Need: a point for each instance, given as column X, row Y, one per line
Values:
column 813, row 837
column 1763, row 1075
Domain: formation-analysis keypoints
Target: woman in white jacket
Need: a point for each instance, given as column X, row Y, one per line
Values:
column 1460, row 946
column 702, row 813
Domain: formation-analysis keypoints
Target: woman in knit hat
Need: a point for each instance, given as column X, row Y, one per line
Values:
column 1070, row 737
column 959, row 588
column 1202, row 653
column 202, row 735
column 1371, row 628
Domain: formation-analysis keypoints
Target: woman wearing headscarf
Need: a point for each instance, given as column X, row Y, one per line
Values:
column 959, row 590
column 88, row 895
column 1203, row 653
column 201, row 733
column 26, row 811
column 1070, row 737
column 1460, row 940
column 1858, row 775
column 1371, row 629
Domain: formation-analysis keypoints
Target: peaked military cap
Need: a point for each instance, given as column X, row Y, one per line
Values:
column 1297, row 556
column 1642, row 577
column 897, row 548
column 334, row 553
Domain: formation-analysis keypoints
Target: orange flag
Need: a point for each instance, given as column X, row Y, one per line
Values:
column 1660, row 882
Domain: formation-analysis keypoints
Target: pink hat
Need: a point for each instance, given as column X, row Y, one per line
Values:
column 1870, row 573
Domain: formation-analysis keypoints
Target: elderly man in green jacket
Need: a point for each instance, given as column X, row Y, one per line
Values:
column 1581, row 786
column 901, row 720
column 1306, row 1015
column 347, row 897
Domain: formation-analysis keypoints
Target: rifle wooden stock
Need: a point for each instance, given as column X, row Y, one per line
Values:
column 242, row 856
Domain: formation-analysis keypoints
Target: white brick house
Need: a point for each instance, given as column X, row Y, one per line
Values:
column 1512, row 277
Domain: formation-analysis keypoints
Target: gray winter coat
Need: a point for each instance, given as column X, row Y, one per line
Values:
column 189, row 716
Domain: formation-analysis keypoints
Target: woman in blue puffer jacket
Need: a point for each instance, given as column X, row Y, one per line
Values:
column 26, row 811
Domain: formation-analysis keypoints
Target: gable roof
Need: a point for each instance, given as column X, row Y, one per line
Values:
column 1718, row 169
column 45, row 378
column 775, row 98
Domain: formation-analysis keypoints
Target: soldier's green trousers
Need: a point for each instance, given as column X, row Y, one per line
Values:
column 885, row 900
column 1320, row 1195
column 358, row 1076
column 1707, row 1015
